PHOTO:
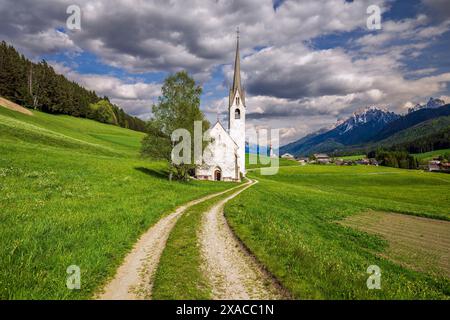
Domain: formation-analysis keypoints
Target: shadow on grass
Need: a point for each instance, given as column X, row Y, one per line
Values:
column 159, row 174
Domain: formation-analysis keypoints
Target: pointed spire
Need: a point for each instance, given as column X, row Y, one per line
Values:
column 237, row 66
column 217, row 114
column 237, row 73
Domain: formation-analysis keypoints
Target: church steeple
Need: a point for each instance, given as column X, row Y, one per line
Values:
column 237, row 87
column 236, row 111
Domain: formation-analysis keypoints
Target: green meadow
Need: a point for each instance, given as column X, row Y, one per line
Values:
column 291, row 222
column 264, row 161
column 75, row 192
column 427, row 156
column 179, row 275
column 355, row 157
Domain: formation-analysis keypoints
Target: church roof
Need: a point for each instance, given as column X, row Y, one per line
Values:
column 219, row 124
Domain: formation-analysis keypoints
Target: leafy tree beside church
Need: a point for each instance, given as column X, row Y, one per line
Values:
column 178, row 107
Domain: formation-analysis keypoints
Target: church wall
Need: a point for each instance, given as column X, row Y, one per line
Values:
column 220, row 153
column 237, row 130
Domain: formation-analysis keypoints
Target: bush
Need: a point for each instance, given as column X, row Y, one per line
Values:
column 102, row 111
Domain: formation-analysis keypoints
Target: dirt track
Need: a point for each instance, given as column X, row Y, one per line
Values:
column 133, row 279
column 232, row 272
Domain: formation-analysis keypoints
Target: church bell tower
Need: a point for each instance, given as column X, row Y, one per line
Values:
column 236, row 110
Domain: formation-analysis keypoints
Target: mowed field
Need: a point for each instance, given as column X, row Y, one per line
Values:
column 318, row 229
column 75, row 192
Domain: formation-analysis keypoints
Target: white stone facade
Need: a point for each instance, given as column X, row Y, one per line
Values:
column 236, row 116
column 224, row 157
column 220, row 158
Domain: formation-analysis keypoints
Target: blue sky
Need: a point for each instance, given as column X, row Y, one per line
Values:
column 305, row 64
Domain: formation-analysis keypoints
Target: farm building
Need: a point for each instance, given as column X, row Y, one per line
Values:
column 434, row 165
column 322, row 158
column 287, row 156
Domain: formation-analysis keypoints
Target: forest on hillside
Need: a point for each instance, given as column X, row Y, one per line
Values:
column 37, row 86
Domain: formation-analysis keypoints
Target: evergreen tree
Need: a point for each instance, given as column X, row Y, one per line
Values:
column 38, row 86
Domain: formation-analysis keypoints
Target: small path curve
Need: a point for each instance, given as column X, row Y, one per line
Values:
column 134, row 278
column 232, row 271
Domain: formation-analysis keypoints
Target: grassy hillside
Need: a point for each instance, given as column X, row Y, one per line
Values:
column 427, row 156
column 428, row 135
column 281, row 162
column 355, row 157
column 297, row 233
column 75, row 192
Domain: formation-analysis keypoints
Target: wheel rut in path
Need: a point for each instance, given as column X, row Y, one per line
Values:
column 232, row 271
column 134, row 278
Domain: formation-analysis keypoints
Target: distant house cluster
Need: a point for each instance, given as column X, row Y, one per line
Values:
column 323, row 158
column 436, row 165
column 364, row 162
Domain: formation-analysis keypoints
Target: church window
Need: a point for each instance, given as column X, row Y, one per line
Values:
column 237, row 100
column 237, row 114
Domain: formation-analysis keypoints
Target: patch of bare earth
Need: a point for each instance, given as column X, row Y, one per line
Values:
column 232, row 272
column 14, row 106
column 421, row 244
column 134, row 278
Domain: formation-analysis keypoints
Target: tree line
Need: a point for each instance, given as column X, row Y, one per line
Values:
column 38, row 86
column 395, row 159
column 177, row 107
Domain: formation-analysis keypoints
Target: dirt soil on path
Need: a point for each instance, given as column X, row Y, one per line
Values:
column 133, row 279
column 232, row 272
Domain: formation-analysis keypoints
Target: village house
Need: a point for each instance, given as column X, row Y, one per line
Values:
column 322, row 158
column 438, row 166
column 364, row 162
column 302, row 161
column 434, row 165
column 287, row 156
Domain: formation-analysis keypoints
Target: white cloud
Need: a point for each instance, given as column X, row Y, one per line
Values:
column 135, row 98
column 290, row 84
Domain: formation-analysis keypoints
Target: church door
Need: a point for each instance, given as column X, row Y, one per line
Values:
column 217, row 175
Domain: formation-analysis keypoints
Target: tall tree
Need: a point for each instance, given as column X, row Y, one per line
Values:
column 178, row 107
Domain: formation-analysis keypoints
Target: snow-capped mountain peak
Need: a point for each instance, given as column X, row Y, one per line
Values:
column 431, row 104
column 435, row 103
column 370, row 114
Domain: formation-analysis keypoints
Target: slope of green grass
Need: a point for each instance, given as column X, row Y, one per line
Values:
column 427, row 156
column 74, row 192
column 69, row 132
column 356, row 157
column 179, row 275
column 289, row 221
column 281, row 162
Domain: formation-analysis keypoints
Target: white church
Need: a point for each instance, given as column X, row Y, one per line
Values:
column 224, row 157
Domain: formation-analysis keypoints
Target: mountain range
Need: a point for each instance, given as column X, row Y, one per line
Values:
column 375, row 127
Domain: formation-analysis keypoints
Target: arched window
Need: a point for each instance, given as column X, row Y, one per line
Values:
column 237, row 114
column 237, row 100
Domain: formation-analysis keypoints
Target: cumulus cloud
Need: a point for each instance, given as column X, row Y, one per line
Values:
column 440, row 9
column 136, row 98
column 145, row 36
column 291, row 84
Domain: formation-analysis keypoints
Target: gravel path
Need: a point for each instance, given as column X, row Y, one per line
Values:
column 133, row 280
column 232, row 272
